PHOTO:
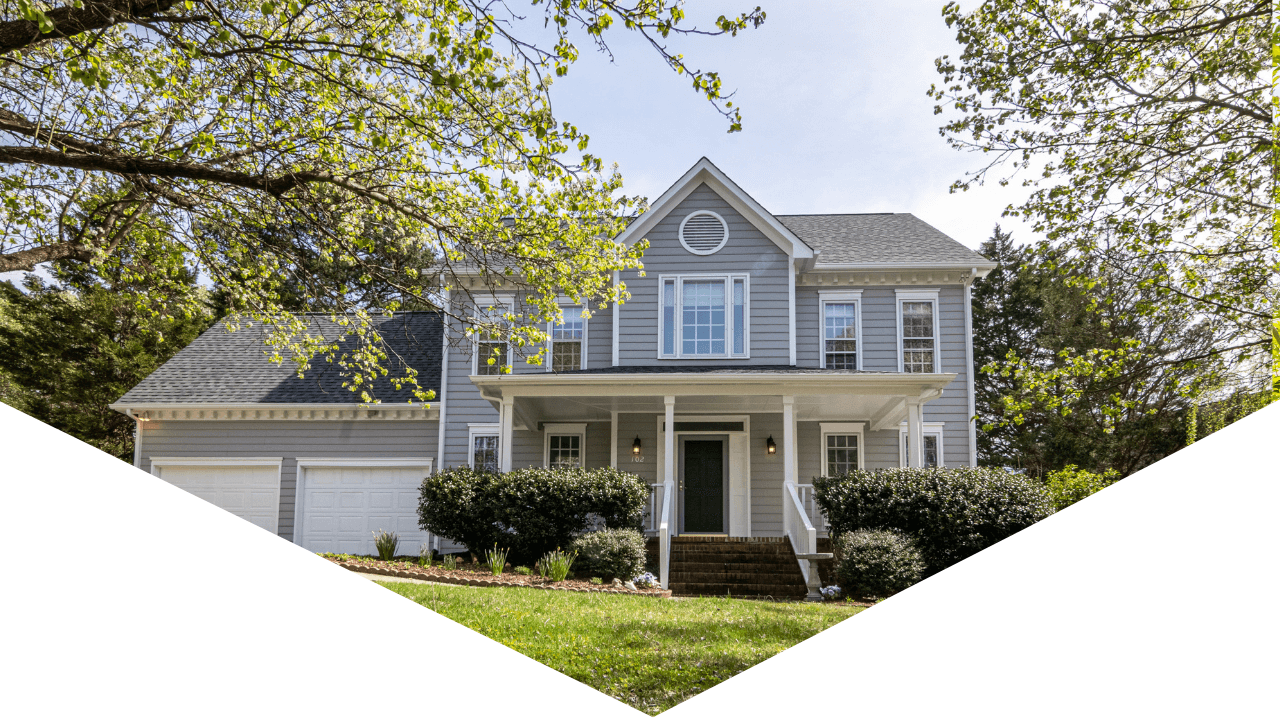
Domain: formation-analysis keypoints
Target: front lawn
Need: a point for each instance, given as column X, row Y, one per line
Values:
column 649, row 653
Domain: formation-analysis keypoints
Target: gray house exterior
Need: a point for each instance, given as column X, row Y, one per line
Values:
column 757, row 352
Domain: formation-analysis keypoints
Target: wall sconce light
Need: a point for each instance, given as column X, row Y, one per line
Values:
column 770, row 446
column 635, row 446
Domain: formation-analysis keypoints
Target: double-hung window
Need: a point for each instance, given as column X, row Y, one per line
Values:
column 492, row 352
column 931, row 433
column 841, row 329
column 841, row 448
column 483, row 439
column 565, row 443
column 568, row 340
column 918, row 331
column 704, row 316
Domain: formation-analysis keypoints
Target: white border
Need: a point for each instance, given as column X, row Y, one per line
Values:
column 843, row 297
column 841, row 428
column 744, row 440
column 926, row 428
column 496, row 300
column 579, row 429
column 929, row 295
column 276, row 462
column 729, row 326
column 582, row 361
column 723, row 241
column 474, row 429
column 305, row 464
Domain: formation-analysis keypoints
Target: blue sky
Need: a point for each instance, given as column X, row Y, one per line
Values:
column 835, row 116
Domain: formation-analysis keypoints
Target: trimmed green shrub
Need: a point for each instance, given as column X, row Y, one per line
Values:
column 610, row 553
column 877, row 563
column 1070, row 485
column 951, row 512
column 532, row 510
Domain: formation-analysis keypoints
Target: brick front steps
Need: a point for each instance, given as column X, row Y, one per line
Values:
column 741, row 567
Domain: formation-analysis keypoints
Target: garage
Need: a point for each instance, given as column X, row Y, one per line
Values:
column 342, row 504
column 248, row 488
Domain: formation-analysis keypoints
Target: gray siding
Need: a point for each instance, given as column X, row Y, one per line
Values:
column 748, row 251
column 289, row 440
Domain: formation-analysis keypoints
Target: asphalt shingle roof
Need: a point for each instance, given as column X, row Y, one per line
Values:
column 223, row 367
column 877, row 238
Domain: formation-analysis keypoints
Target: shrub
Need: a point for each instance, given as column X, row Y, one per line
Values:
column 532, row 510
column 555, row 565
column 597, row 581
column 1070, row 485
column 951, row 513
column 611, row 553
column 877, row 563
column 386, row 544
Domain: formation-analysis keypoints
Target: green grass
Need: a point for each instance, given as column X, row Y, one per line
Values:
column 649, row 653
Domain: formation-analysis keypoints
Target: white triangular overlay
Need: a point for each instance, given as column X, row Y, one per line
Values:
column 1155, row 598
column 127, row 597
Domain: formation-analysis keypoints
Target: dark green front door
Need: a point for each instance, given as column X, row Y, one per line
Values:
column 704, row 486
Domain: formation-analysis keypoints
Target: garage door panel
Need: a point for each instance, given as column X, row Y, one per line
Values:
column 250, row 492
column 368, row 499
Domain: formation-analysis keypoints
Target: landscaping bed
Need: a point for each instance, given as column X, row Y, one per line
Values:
column 478, row 575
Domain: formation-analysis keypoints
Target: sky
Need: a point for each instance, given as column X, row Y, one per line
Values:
column 835, row 115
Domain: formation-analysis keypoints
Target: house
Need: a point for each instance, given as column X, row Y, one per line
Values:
column 757, row 351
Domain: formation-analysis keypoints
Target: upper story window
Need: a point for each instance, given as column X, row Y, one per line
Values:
column 918, row 331
column 568, row 340
column 841, row 329
column 492, row 354
column 703, row 316
column 703, row 232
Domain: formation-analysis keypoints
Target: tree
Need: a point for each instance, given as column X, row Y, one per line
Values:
column 1144, row 131
column 213, row 124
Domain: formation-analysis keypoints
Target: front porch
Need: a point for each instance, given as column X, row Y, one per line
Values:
column 727, row 452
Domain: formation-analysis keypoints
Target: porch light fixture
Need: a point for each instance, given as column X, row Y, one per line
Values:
column 635, row 446
column 770, row 446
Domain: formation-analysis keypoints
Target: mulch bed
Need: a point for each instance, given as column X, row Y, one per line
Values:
column 477, row 575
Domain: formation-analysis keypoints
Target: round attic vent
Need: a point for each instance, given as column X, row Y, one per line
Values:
column 703, row 232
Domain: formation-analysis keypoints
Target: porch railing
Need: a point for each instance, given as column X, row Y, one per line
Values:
column 795, row 522
column 665, row 523
column 811, row 507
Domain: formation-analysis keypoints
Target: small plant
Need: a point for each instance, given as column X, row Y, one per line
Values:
column 597, row 581
column 522, row 570
column 424, row 556
column 555, row 564
column 645, row 580
column 496, row 560
column 831, row 592
column 449, row 562
column 1070, row 485
column 386, row 543
column 877, row 563
column 610, row 553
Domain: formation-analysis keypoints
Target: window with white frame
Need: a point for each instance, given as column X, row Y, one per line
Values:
column 931, row 433
column 483, row 442
column 564, row 444
column 841, row 329
column 918, row 331
column 841, row 448
column 703, row 316
column 492, row 353
column 568, row 340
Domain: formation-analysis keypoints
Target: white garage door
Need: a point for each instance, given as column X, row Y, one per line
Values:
column 251, row 492
column 342, row 508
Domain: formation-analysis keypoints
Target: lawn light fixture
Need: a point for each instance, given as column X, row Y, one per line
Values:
column 770, row 446
column 635, row 446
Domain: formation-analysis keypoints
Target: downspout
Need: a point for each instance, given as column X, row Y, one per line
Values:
column 137, row 439
column 968, row 373
column 444, row 379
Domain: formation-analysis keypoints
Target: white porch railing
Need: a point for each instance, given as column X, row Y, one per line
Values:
column 795, row 522
column 652, row 510
column 811, row 508
column 665, row 523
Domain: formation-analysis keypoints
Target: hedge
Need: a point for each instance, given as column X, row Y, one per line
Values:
column 609, row 554
column 951, row 512
column 531, row 511
column 877, row 563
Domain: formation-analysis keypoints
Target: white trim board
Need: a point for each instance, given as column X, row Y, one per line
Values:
column 841, row 428
column 562, row 429
column 922, row 295
column 845, row 297
column 739, row 449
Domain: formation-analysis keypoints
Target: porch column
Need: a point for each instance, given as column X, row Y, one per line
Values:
column 504, row 434
column 613, row 439
column 789, row 438
column 669, row 440
column 915, row 439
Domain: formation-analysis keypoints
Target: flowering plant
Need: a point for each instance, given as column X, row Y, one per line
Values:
column 831, row 592
column 645, row 580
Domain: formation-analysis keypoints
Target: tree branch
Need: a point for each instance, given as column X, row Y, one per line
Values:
column 28, row 259
column 69, row 21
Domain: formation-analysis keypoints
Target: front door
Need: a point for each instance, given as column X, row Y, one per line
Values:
column 704, row 486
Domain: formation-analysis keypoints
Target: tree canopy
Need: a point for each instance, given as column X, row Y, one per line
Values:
column 254, row 144
column 1143, row 130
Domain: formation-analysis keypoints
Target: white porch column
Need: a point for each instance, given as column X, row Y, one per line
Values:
column 613, row 438
column 669, row 440
column 915, row 439
column 504, row 434
column 789, row 438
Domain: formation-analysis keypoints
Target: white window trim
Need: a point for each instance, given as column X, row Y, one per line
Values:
column 922, row 295
column 549, row 429
column 495, row 301
column 843, row 297
column 842, row 428
column 695, row 213
column 728, row 279
column 566, row 304
column 481, row 429
column 928, row 428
